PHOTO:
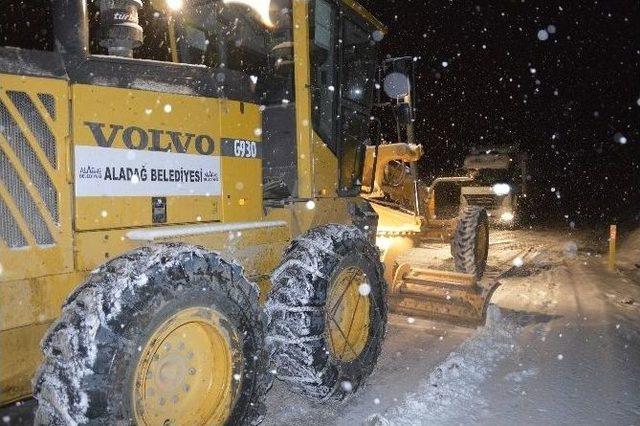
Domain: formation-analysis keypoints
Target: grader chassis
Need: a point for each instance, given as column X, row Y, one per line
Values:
column 407, row 218
column 163, row 164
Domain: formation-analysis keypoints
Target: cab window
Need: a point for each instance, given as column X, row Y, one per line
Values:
column 206, row 33
column 216, row 35
column 343, row 66
column 324, row 76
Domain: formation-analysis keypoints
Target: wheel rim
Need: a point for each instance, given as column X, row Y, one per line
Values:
column 482, row 239
column 185, row 372
column 348, row 312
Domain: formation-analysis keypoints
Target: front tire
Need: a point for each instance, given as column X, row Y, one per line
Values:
column 327, row 312
column 162, row 333
column 470, row 245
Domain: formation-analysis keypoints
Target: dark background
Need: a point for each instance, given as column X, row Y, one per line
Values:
column 569, row 115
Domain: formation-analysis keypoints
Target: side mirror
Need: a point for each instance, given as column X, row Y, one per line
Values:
column 397, row 85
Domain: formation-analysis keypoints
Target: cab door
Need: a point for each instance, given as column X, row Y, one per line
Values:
column 343, row 64
column 357, row 71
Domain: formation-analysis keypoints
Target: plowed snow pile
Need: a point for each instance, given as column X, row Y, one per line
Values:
column 456, row 384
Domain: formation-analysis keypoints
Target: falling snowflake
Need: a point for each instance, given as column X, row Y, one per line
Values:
column 168, row 108
column 346, row 386
column 310, row 205
column 364, row 289
column 543, row 35
column 620, row 138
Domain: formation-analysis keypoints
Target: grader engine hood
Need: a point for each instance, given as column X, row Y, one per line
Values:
column 161, row 157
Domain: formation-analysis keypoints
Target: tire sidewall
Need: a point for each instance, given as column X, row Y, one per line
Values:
column 177, row 278
column 296, row 307
column 127, row 361
column 365, row 361
column 482, row 226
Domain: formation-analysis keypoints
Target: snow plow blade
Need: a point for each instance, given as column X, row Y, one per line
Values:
column 451, row 297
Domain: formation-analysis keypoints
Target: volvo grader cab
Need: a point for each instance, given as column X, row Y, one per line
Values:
column 181, row 216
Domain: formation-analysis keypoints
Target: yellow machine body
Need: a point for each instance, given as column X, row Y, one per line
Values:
column 407, row 217
column 64, row 230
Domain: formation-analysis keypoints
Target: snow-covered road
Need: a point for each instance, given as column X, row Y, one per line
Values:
column 561, row 346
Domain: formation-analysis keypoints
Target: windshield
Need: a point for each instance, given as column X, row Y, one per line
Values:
column 217, row 34
column 491, row 176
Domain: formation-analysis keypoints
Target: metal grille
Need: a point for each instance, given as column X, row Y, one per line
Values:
column 9, row 230
column 49, row 103
column 24, row 202
column 36, row 124
column 21, row 147
column 482, row 200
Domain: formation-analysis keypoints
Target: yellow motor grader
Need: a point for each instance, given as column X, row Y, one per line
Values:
column 409, row 214
column 180, row 207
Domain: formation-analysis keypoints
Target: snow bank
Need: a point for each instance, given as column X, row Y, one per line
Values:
column 453, row 389
column 630, row 249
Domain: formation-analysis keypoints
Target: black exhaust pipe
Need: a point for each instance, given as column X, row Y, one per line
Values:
column 71, row 27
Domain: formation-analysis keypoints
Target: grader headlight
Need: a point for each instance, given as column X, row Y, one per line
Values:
column 175, row 5
column 261, row 7
column 383, row 243
column 501, row 189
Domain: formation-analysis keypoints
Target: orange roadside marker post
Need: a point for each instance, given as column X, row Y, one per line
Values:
column 613, row 237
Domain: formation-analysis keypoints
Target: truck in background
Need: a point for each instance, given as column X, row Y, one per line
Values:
column 499, row 182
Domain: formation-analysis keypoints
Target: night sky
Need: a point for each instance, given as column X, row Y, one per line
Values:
column 572, row 100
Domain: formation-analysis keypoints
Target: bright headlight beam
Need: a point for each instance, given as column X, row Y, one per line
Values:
column 506, row 217
column 261, row 7
column 175, row 5
column 501, row 189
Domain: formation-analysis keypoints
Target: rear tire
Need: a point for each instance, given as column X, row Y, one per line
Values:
column 316, row 287
column 138, row 328
column 470, row 245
